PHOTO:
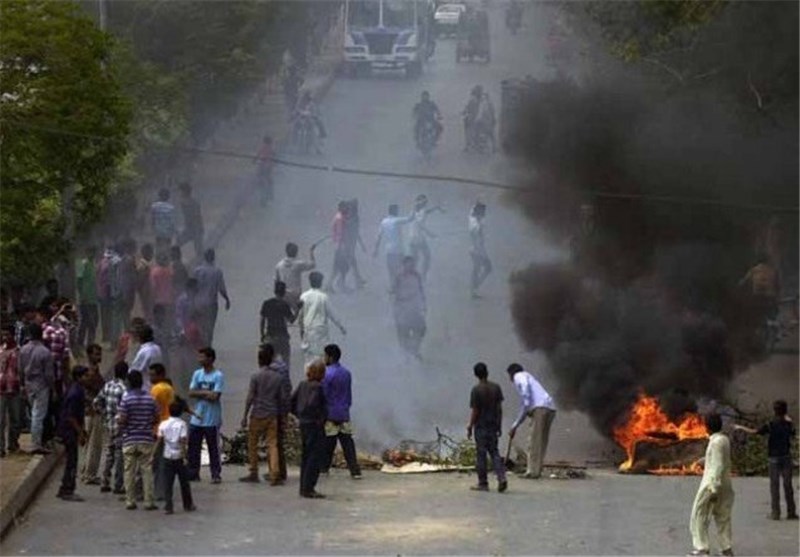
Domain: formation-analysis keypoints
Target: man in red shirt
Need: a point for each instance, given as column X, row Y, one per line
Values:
column 10, row 398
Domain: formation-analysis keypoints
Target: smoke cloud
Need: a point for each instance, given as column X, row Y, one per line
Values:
column 649, row 299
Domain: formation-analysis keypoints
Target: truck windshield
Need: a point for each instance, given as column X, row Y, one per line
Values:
column 363, row 13
column 398, row 13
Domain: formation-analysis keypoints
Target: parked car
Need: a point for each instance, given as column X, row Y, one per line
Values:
column 447, row 18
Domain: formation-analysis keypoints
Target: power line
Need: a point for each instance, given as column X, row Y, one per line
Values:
column 678, row 200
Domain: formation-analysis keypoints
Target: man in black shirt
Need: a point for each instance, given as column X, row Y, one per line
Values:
column 486, row 419
column 276, row 313
column 781, row 431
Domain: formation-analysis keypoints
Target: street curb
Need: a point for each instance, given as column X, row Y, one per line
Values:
column 244, row 197
column 37, row 471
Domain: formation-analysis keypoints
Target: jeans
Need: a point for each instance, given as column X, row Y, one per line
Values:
column 114, row 461
column 11, row 416
column 313, row 439
column 258, row 428
column 486, row 444
column 87, row 330
column 780, row 468
column 169, row 469
column 196, row 436
column 70, row 466
column 39, row 403
column 137, row 458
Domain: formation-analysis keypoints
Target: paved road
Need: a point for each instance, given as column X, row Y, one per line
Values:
column 370, row 126
column 607, row 514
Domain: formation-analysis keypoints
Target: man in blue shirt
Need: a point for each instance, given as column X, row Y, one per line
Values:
column 391, row 234
column 206, row 387
column 71, row 431
column 339, row 398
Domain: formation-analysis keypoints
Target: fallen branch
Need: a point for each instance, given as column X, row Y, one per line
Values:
column 675, row 73
column 755, row 92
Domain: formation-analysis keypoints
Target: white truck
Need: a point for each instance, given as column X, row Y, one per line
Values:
column 387, row 34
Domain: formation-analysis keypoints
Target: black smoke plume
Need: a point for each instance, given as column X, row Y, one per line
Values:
column 664, row 201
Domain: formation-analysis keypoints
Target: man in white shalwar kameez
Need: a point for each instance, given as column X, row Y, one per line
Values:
column 715, row 496
column 315, row 312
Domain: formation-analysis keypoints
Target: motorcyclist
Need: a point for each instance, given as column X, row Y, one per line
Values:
column 307, row 108
column 426, row 111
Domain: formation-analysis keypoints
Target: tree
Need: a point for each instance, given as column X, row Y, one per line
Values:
column 64, row 124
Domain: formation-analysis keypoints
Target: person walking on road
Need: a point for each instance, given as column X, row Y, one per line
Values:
column 86, row 283
column 210, row 285
column 419, row 233
column 337, row 388
column 37, row 377
column 164, row 395
column 207, row 386
column 715, row 494
column 106, row 404
column 780, row 431
column 172, row 441
column 351, row 237
column 137, row 417
column 72, row 433
column 308, row 404
column 391, row 235
column 277, row 314
column 11, row 402
column 149, row 353
column 486, row 422
column 193, row 228
column 315, row 312
column 267, row 398
column 536, row 404
column 481, row 264
column 163, row 220
column 289, row 271
column 409, row 308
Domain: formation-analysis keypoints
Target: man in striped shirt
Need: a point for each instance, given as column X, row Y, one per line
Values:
column 137, row 416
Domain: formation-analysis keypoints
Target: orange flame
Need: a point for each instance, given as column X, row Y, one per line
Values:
column 647, row 421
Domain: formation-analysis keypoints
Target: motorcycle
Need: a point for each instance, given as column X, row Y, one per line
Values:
column 304, row 134
column 426, row 137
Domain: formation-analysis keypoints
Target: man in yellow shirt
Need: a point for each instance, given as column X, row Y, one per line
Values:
column 164, row 395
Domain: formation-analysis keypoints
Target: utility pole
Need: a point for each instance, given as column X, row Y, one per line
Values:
column 101, row 4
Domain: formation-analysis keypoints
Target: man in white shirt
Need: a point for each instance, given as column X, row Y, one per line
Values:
column 536, row 404
column 418, row 233
column 173, row 435
column 289, row 271
column 315, row 312
column 391, row 236
column 481, row 264
column 149, row 353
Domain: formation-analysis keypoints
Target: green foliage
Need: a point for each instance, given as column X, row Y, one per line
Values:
column 53, row 77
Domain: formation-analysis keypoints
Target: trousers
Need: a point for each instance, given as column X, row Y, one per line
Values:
column 70, row 466
column 196, row 436
column 258, row 428
column 113, row 461
column 93, row 449
column 11, row 418
column 708, row 505
column 312, row 437
column 39, row 402
column 169, row 470
column 541, row 420
column 780, row 468
column 486, row 445
column 137, row 459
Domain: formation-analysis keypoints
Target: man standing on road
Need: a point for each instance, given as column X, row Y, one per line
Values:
column 193, row 228
column 391, row 235
column 137, row 417
column 72, row 432
column 163, row 221
column 276, row 313
column 715, row 494
column 289, row 271
column 149, row 353
column 486, row 420
column 206, row 387
column 315, row 312
column 267, row 398
column 336, row 386
column 11, row 403
column 536, row 404
column 37, row 377
column 106, row 404
column 210, row 285
column 93, row 448
column 481, row 264
column 409, row 308
column 162, row 393
column 86, row 279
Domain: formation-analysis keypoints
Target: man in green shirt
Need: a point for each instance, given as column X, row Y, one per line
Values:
column 87, row 297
